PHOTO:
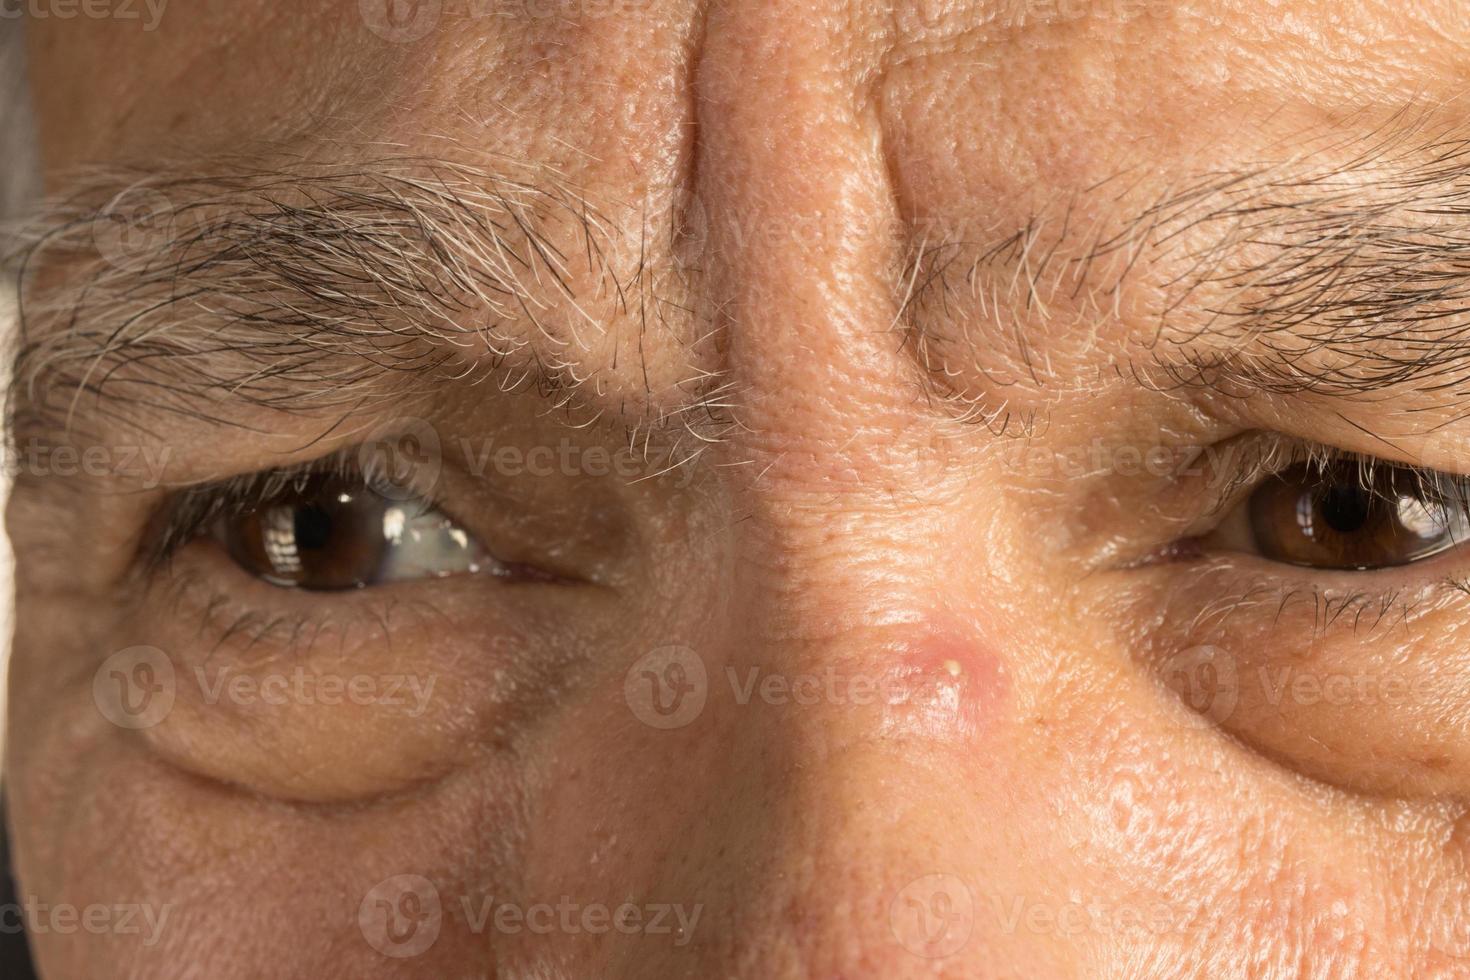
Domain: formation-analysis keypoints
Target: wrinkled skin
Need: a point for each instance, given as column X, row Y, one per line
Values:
column 1037, row 801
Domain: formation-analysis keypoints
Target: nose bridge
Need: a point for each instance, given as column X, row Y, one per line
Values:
column 875, row 690
column 801, row 220
column 883, row 707
column 885, row 836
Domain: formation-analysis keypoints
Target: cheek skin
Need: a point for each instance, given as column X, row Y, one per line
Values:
column 1370, row 699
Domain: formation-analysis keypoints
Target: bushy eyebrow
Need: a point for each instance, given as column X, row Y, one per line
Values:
column 300, row 287
column 1342, row 269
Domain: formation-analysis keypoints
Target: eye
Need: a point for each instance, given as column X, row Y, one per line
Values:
column 1352, row 514
column 327, row 534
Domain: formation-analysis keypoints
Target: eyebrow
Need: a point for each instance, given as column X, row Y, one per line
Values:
column 310, row 288
column 1341, row 270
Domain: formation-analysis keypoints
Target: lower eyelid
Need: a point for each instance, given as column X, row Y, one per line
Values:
column 1238, row 587
column 203, row 581
column 1345, row 678
column 231, row 606
column 492, row 656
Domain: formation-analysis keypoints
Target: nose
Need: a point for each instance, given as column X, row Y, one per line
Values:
column 891, row 827
column 869, row 702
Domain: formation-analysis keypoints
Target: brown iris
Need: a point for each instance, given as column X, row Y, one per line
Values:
column 1347, row 516
column 325, row 535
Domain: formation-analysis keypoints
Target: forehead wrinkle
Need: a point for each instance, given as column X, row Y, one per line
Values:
column 302, row 288
column 1342, row 269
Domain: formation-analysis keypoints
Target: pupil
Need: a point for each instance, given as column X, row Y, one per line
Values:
column 313, row 528
column 1346, row 508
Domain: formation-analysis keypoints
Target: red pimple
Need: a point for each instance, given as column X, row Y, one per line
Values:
column 942, row 684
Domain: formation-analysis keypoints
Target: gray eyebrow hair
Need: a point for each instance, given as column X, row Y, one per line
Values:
column 308, row 287
column 1341, row 270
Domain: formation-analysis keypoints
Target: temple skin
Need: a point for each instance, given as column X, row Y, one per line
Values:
column 931, row 729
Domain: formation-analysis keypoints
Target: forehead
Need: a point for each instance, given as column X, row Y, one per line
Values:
column 1042, row 86
column 989, row 114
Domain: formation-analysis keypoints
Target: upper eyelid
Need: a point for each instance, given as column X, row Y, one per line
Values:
column 1192, row 501
column 1256, row 456
column 1383, row 480
column 1230, row 468
column 190, row 510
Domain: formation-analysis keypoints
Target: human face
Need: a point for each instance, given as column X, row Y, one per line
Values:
column 636, row 488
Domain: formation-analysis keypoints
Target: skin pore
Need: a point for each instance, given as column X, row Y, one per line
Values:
column 828, row 435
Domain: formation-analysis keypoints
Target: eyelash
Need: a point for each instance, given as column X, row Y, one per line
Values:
column 1365, row 600
column 1259, row 457
column 1269, row 456
column 191, row 512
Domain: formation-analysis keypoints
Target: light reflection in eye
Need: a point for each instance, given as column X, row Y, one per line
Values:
column 328, row 539
column 280, row 544
column 1424, row 518
column 1341, row 517
column 393, row 524
column 428, row 545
